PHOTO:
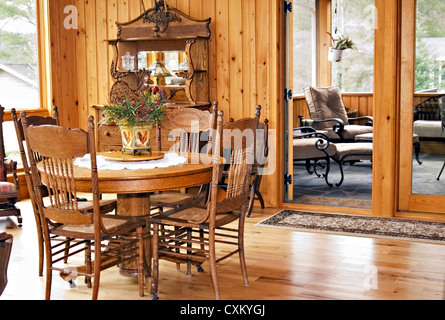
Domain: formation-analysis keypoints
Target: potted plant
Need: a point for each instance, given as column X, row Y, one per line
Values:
column 136, row 117
column 338, row 46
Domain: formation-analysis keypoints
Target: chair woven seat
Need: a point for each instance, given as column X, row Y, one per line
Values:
column 172, row 198
column 193, row 215
column 105, row 205
column 109, row 223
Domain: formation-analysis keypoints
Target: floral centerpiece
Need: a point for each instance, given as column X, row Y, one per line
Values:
column 136, row 116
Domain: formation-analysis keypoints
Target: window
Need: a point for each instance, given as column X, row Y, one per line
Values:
column 355, row 19
column 19, row 74
column 304, row 44
column 430, row 44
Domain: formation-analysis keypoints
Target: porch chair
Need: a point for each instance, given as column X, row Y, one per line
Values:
column 199, row 229
column 311, row 146
column 9, row 192
column 87, row 226
column 441, row 98
column 328, row 113
column 35, row 121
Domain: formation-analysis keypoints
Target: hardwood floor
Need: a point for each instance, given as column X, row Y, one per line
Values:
column 282, row 265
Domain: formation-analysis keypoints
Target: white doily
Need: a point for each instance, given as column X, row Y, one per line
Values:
column 170, row 159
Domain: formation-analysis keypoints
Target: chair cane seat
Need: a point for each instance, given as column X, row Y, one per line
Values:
column 170, row 198
column 110, row 223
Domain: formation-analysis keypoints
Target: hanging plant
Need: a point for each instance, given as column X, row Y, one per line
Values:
column 337, row 47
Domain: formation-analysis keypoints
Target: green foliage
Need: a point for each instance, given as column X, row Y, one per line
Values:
column 355, row 72
column 147, row 108
column 430, row 24
column 16, row 47
column 342, row 43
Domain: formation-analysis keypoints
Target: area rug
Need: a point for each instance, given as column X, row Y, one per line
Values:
column 352, row 225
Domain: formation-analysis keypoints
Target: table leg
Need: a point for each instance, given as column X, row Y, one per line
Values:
column 136, row 205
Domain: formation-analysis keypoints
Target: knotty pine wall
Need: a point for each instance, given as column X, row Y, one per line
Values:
column 245, row 59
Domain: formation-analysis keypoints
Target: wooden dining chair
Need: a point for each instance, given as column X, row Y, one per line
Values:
column 261, row 154
column 200, row 228
column 35, row 121
column 9, row 192
column 187, row 131
column 86, row 225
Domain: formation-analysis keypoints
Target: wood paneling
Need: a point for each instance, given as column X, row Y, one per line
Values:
column 244, row 57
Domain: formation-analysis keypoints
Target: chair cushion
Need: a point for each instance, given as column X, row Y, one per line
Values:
column 429, row 129
column 305, row 149
column 364, row 137
column 6, row 187
column 352, row 130
column 325, row 103
column 354, row 151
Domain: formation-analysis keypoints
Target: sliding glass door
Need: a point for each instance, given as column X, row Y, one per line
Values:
column 422, row 151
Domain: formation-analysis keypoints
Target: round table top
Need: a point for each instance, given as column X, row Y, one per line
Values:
column 185, row 175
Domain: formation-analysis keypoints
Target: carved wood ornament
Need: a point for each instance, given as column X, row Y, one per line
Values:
column 163, row 29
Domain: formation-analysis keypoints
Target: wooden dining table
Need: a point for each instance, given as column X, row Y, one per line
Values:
column 133, row 187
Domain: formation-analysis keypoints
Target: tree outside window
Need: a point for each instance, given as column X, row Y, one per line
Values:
column 304, row 42
column 18, row 55
column 19, row 77
column 430, row 46
column 355, row 19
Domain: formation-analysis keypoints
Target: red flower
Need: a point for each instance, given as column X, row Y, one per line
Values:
column 155, row 89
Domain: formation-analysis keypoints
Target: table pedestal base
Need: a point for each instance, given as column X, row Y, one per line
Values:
column 136, row 205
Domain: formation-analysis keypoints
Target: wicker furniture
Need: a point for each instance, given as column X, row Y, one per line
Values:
column 86, row 226
column 9, row 192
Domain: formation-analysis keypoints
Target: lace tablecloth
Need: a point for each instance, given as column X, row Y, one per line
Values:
column 170, row 159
